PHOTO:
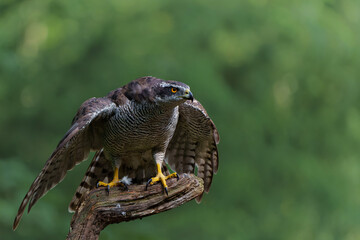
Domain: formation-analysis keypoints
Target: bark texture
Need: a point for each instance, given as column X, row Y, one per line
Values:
column 99, row 209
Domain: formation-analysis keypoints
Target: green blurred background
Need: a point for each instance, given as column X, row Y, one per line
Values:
column 280, row 79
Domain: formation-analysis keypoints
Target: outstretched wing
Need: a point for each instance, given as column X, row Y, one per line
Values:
column 84, row 135
column 194, row 144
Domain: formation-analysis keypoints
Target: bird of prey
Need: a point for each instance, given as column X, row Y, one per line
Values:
column 134, row 130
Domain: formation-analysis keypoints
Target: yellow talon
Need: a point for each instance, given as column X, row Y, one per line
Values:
column 110, row 184
column 113, row 183
column 161, row 177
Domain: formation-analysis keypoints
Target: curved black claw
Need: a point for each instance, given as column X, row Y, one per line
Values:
column 108, row 189
column 125, row 186
column 166, row 190
column 148, row 183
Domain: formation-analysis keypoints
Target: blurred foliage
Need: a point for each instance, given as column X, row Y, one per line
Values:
column 279, row 78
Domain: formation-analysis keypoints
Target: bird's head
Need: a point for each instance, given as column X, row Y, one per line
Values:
column 172, row 92
column 150, row 89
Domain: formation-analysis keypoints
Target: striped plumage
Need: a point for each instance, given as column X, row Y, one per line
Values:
column 145, row 122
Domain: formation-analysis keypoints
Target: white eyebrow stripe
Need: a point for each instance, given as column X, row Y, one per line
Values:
column 164, row 84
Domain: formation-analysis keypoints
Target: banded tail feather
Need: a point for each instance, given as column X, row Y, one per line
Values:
column 100, row 169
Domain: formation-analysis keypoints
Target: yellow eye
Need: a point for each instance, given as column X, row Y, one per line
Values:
column 174, row 90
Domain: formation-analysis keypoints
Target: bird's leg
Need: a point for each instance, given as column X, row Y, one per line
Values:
column 114, row 182
column 160, row 177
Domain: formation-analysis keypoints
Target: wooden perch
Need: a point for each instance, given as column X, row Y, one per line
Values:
column 98, row 209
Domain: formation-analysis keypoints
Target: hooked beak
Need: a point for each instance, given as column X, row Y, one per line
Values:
column 188, row 95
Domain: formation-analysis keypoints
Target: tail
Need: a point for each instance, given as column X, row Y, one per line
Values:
column 100, row 169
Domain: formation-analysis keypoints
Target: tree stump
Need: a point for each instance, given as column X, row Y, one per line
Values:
column 99, row 209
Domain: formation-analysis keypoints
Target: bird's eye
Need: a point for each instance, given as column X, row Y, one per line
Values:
column 174, row 90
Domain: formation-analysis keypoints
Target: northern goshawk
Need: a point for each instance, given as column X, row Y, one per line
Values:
column 134, row 131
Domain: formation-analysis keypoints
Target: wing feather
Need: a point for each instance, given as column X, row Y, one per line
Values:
column 193, row 144
column 75, row 146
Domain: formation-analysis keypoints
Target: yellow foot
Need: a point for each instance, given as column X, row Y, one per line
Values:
column 110, row 184
column 160, row 177
column 113, row 183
